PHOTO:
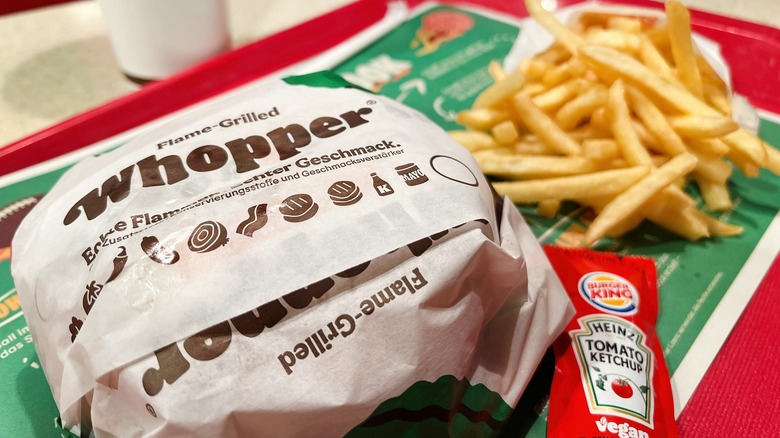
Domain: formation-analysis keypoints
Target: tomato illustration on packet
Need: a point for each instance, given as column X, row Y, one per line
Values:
column 610, row 376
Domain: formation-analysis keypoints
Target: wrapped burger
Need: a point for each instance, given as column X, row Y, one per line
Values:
column 302, row 259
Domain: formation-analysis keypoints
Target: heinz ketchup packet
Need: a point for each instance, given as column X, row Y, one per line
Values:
column 610, row 377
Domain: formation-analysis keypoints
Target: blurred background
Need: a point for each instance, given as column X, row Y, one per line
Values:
column 56, row 58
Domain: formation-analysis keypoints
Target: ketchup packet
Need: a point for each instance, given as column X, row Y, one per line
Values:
column 610, row 377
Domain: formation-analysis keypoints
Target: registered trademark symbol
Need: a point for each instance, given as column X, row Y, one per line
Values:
column 370, row 102
column 151, row 410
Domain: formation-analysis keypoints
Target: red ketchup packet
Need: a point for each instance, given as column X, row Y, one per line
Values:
column 610, row 376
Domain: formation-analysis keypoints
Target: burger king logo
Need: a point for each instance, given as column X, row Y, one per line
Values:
column 609, row 292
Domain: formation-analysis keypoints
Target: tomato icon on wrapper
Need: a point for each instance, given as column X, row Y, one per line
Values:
column 621, row 385
column 622, row 388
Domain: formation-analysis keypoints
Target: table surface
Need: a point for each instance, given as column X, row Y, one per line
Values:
column 57, row 61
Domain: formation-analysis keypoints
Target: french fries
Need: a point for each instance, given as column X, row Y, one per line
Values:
column 629, row 201
column 604, row 183
column 616, row 115
column 543, row 126
column 682, row 46
column 620, row 123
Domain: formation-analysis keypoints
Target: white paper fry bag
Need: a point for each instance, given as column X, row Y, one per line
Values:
column 301, row 260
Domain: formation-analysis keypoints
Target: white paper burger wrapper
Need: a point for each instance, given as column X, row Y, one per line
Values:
column 301, row 260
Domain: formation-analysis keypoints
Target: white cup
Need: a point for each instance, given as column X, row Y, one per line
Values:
column 153, row 39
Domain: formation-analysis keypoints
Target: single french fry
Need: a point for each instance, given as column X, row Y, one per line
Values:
column 655, row 122
column 627, row 202
column 625, row 24
column 501, row 150
column 566, row 36
column 773, row 159
column 712, row 168
column 660, row 160
column 600, row 120
column 702, row 126
column 645, row 137
column 617, row 163
column 573, row 112
column 591, row 76
column 607, row 182
column 712, row 146
column 652, row 58
column 746, row 144
column 625, row 135
column 614, row 39
column 505, row 132
column 525, row 146
column 575, row 67
column 548, row 208
column 716, row 98
column 599, row 19
column 533, row 68
column 555, row 54
column 685, row 223
column 474, row 140
column 600, row 149
column 481, row 119
column 673, row 197
column 555, row 75
column 627, row 224
column 589, row 131
column 500, row 90
column 496, row 71
column 709, row 74
column 679, row 22
column 543, row 126
column 715, row 194
column 671, row 208
column 659, row 36
column 553, row 98
column 743, row 163
column 534, row 88
column 716, row 92
column 528, row 167
column 717, row 227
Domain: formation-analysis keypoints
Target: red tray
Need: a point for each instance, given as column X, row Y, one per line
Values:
column 733, row 399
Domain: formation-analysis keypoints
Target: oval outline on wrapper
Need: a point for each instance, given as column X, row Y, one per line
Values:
column 474, row 184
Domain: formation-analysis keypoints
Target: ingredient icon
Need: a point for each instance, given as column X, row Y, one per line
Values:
column 158, row 252
column 208, row 236
column 258, row 217
column 344, row 193
column 298, row 208
column 382, row 187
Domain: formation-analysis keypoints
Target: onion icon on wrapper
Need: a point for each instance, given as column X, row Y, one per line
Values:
column 207, row 237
